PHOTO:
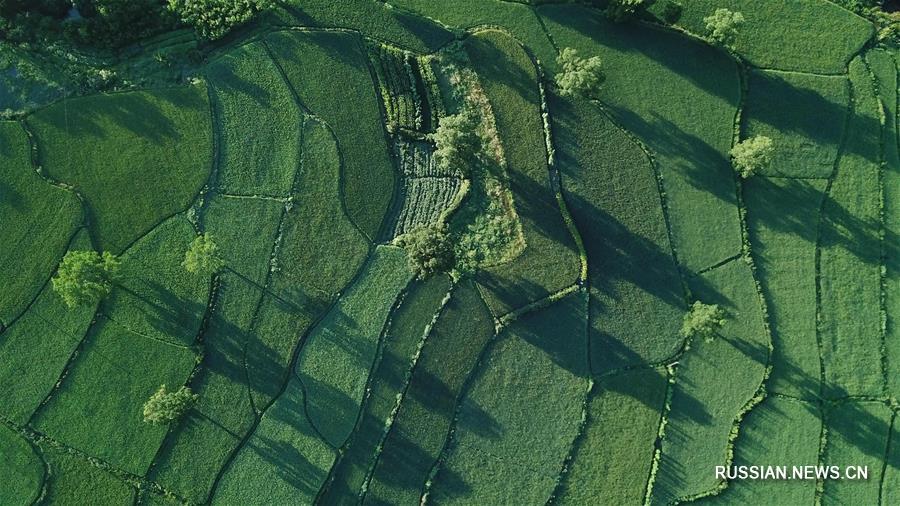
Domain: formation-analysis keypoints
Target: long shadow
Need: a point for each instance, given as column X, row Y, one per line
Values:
column 11, row 197
column 222, row 76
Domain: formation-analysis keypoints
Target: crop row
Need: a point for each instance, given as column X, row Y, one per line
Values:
column 424, row 199
column 416, row 160
column 397, row 81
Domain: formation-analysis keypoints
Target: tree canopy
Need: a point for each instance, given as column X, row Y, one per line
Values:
column 165, row 407
column 703, row 320
column 429, row 250
column 202, row 257
column 752, row 155
column 579, row 76
column 622, row 10
column 85, row 277
column 214, row 18
column 457, row 141
column 722, row 26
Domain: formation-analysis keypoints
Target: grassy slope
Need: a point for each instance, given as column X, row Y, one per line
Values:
column 35, row 214
column 704, row 406
column 21, row 469
column 327, row 69
column 250, row 94
column 337, row 357
column 851, row 254
column 34, row 351
column 521, row 413
column 803, row 114
column 408, row 326
column 284, row 462
column 420, row 428
column 782, row 222
column 891, row 485
column 611, row 460
column 857, row 435
column 73, row 480
column 550, row 260
column 135, row 157
column 611, row 189
column 650, row 75
column 793, row 35
column 97, row 409
column 374, row 20
column 777, row 432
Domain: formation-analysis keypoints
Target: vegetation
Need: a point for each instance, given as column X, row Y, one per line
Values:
column 164, row 407
column 578, row 75
column 214, row 18
column 752, row 155
column 722, row 26
column 85, row 277
column 621, row 10
column 703, row 320
column 429, row 250
column 202, row 257
column 458, row 143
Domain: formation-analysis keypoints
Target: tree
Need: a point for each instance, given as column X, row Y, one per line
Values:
column 752, row 155
column 723, row 25
column 457, row 142
column 623, row 10
column 202, row 257
column 703, row 320
column 214, row 18
column 165, row 407
column 85, row 277
column 429, row 250
column 579, row 75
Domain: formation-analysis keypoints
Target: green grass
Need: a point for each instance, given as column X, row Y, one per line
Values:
column 74, row 480
column 611, row 459
column 611, row 190
column 420, row 428
column 704, row 406
column 519, row 20
column 857, row 436
column 803, row 114
column 329, row 69
column 550, row 260
column 40, row 219
column 891, row 483
column 135, row 157
column 406, row 331
column 651, row 74
column 338, row 354
column 228, row 219
column 375, row 20
column 155, row 295
column 782, row 223
column 284, row 462
column 850, row 323
column 777, row 432
column 794, row 35
column 34, row 350
column 21, row 469
column 522, row 412
column 250, row 94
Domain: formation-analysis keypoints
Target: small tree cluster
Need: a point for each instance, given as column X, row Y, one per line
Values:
column 85, row 277
column 752, row 155
column 457, row 142
column 214, row 18
column 429, row 250
column 703, row 320
column 722, row 26
column 165, row 407
column 581, row 76
column 623, row 10
column 202, row 257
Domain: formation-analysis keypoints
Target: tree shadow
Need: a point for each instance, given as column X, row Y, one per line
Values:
column 223, row 78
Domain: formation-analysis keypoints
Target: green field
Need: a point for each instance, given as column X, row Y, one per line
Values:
column 262, row 189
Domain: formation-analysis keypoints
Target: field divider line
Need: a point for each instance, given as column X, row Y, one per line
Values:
column 661, row 431
column 887, row 454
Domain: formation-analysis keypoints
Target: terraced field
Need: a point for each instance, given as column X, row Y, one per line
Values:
column 547, row 362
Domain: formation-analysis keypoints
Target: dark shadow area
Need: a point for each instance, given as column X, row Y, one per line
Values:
column 11, row 197
column 222, row 77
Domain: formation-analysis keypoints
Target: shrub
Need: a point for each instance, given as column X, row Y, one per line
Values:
column 85, row 277
column 752, row 155
column 623, row 10
column 202, row 256
column 579, row 75
column 214, row 18
column 703, row 320
column 723, row 26
column 457, row 142
column 165, row 407
column 429, row 250
column 672, row 11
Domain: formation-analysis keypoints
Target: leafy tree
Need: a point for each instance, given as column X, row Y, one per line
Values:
column 202, row 257
column 214, row 18
column 752, row 155
column 457, row 141
column 723, row 25
column 429, row 250
column 623, row 10
column 579, row 75
column 165, row 407
column 85, row 277
column 703, row 320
